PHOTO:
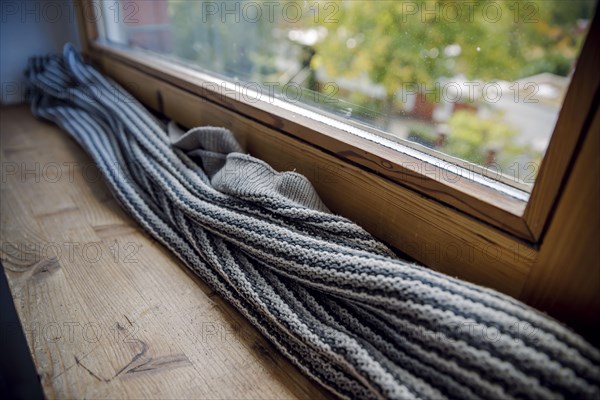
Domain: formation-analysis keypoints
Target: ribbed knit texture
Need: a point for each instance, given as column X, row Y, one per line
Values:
column 331, row 298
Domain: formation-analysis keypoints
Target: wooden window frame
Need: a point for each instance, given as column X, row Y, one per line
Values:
column 449, row 223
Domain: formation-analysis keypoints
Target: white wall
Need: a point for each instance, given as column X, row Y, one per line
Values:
column 31, row 28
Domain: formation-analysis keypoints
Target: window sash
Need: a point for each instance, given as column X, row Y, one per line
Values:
column 397, row 196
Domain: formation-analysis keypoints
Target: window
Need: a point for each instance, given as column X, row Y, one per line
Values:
column 476, row 84
column 451, row 215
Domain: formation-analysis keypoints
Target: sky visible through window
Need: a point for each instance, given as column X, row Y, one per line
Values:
column 481, row 81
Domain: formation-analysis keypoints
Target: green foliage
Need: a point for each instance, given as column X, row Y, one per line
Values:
column 424, row 134
column 394, row 44
column 471, row 136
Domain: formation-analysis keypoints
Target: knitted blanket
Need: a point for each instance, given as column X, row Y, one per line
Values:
column 335, row 301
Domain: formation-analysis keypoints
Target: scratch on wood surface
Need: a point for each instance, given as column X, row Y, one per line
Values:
column 135, row 358
column 89, row 371
column 162, row 363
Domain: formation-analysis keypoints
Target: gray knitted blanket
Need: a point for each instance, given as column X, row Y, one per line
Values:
column 332, row 299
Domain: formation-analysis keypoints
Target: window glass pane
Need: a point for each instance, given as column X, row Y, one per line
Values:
column 477, row 82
